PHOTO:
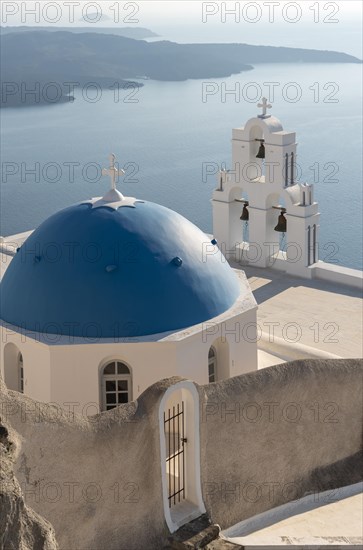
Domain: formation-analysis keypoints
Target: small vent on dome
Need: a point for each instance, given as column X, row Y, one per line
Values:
column 111, row 268
column 177, row 261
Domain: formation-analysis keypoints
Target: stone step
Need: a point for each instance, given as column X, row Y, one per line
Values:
column 194, row 535
column 222, row 544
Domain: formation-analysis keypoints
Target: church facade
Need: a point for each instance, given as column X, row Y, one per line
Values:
column 113, row 294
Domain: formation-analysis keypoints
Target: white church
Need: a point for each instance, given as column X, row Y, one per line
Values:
column 110, row 295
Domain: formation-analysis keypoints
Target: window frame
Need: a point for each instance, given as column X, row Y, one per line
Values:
column 114, row 377
column 212, row 361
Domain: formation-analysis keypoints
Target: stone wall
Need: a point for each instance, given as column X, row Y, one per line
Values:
column 272, row 436
column 267, row 437
column 97, row 480
column 20, row 527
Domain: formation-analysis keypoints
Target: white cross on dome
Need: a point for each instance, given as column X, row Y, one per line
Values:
column 113, row 199
column 112, row 171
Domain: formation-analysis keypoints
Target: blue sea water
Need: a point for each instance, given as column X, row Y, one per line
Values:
column 169, row 132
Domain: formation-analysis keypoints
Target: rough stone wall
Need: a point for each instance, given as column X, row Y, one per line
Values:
column 20, row 527
column 294, row 429
column 97, row 480
column 272, row 436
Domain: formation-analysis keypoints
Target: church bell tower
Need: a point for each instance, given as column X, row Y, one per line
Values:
column 261, row 215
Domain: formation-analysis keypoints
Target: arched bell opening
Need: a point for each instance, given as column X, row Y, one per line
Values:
column 276, row 224
column 245, row 217
column 281, row 224
column 256, row 169
column 238, row 228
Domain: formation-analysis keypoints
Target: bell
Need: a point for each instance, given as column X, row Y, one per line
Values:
column 245, row 214
column 281, row 224
column 261, row 152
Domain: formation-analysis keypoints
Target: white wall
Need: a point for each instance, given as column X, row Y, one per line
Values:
column 36, row 361
column 235, row 343
column 11, row 366
column 243, row 348
column 76, row 370
column 338, row 274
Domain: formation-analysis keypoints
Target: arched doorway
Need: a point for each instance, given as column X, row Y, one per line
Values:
column 13, row 368
column 180, row 455
column 116, row 385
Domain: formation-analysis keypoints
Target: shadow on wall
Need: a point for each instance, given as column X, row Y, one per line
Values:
column 266, row 438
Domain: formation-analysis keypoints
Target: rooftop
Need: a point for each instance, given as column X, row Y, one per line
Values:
column 316, row 521
column 304, row 318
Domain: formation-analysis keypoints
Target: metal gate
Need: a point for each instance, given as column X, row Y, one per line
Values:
column 175, row 441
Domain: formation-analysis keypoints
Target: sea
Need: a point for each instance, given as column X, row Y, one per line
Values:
column 172, row 137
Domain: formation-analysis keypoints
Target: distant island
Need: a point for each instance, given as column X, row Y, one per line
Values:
column 138, row 33
column 38, row 58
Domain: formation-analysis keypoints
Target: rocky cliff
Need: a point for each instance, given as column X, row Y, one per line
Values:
column 20, row 527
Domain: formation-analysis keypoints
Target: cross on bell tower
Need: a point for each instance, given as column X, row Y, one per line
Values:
column 264, row 106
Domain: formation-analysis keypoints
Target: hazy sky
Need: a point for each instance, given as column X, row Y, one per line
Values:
column 308, row 23
column 188, row 10
column 161, row 11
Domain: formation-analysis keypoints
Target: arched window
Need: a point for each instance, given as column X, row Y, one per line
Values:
column 116, row 385
column 13, row 368
column 21, row 373
column 212, row 365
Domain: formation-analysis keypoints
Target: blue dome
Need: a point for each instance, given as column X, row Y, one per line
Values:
column 109, row 273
